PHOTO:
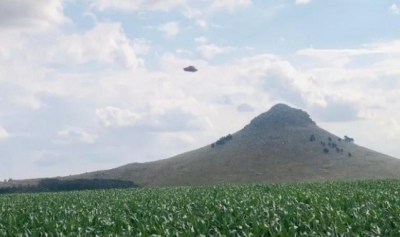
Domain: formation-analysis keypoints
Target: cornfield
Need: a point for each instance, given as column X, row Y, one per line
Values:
column 352, row 208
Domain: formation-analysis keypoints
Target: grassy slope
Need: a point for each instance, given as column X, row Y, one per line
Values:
column 274, row 156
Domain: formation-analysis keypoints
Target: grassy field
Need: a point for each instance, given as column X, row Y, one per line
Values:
column 357, row 208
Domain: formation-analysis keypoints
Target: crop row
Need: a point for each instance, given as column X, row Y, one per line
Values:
column 356, row 208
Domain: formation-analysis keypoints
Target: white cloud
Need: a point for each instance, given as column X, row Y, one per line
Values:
column 73, row 134
column 244, row 108
column 202, row 23
column 116, row 117
column 163, row 116
column 3, row 133
column 211, row 50
column 170, row 29
column 141, row 46
column 192, row 13
column 303, row 1
column 366, row 87
column 230, row 5
column 201, row 40
column 29, row 101
column 196, row 14
column 334, row 57
column 31, row 14
column 133, row 5
column 106, row 43
column 341, row 57
column 165, row 5
column 394, row 9
column 281, row 80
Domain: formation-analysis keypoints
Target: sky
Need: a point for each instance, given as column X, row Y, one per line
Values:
column 94, row 84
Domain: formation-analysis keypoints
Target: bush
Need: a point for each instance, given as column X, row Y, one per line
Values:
column 223, row 140
column 326, row 150
column 348, row 139
column 312, row 138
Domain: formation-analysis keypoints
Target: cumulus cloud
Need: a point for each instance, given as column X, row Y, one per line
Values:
column 170, row 29
column 282, row 80
column 41, row 13
column 362, row 95
column 394, row 9
column 3, row 133
column 303, row 1
column 106, row 43
column 73, row 134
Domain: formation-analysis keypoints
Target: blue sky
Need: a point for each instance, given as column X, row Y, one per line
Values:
column 94, row 84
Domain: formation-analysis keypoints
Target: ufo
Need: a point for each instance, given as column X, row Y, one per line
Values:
column 190, row 69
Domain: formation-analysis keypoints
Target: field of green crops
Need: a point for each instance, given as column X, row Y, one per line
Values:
column 358, row 208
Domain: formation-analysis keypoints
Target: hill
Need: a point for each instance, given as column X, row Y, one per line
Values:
column 281, row 145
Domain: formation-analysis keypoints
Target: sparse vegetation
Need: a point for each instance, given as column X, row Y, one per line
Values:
column 312, row 138
column 333, row 145
column 223, row 140
column 348, row 139
column 358, row 208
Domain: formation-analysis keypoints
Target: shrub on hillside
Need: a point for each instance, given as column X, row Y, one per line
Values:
column 348, row 139
column 312, row 138
column 223, row 140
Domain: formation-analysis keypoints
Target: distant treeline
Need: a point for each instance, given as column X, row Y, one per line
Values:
column 56, row 185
